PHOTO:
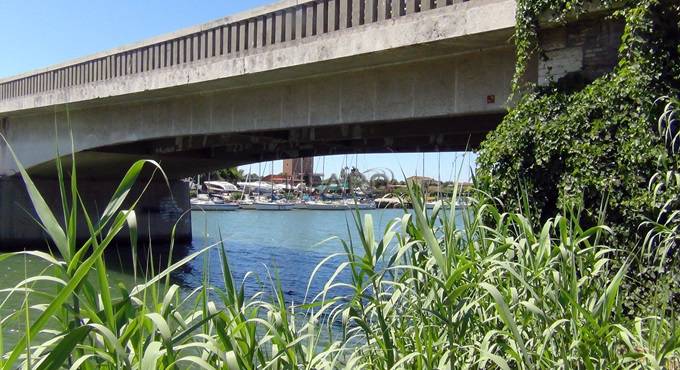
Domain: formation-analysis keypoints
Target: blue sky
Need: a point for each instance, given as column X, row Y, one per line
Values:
column 38, row 33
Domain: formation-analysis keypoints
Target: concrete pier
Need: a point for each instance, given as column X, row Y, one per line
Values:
column 157, row 212
column 293, row 79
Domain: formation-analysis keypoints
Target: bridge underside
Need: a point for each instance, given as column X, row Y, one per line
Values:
column 433, row 81
column 100, row 169
column 185, row 156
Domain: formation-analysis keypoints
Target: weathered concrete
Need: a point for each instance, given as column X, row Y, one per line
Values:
column 298, row 78
column 461, row 27
column 582, row 51
column 452, row 86
column 157, row 212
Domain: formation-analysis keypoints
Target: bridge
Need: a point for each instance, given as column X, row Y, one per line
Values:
column 296, row 78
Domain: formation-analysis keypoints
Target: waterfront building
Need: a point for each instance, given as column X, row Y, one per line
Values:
column 299, row 169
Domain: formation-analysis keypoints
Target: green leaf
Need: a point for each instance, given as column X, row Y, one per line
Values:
column 61, row 352
column 49, row 222
column 506, row 316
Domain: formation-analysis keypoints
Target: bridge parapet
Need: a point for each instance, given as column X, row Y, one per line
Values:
column 252, row 31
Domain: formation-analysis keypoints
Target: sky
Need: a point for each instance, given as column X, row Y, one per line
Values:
column 39, row 33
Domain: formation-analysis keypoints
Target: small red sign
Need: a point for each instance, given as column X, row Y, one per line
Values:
column 490, row 99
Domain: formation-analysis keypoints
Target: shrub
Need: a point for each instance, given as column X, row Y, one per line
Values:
column 423, row 294
column 596, row 145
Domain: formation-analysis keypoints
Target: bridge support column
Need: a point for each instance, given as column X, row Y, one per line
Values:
column 157, row 212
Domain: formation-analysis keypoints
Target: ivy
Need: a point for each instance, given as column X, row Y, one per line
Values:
column 593, row 145
column 528, row 20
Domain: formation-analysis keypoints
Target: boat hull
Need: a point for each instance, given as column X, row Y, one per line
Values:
column 274, row 206
column 387, row 205
column 326, row 207
column 214, row 207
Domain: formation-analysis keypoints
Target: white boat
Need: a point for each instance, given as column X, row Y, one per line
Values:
column 353, row 204
column 274, row 206
column 388, row 201
column 258, row 187
column 246, row 204
column 463, row 202
column 210, row 205
column 344, row 205
column 220, row 187
column 431, row 205
column 300, row 205
column 326, row 206
column 460, row 203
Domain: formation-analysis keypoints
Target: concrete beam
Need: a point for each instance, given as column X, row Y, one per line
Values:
column 457, row 28
column 457, row 85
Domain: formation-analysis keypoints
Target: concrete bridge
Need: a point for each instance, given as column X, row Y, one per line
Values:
column 297, row 78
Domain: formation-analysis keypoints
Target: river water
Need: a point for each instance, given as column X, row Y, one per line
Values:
column 286, row 246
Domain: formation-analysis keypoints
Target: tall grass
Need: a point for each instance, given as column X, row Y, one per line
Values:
column 422, row 294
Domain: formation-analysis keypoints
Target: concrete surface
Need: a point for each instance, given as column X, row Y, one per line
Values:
column 159, row 209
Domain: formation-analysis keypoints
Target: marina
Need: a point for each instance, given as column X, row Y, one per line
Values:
column 299, row 187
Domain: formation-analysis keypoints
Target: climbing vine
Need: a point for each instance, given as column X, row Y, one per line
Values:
column 593, row 144
column 528, row 19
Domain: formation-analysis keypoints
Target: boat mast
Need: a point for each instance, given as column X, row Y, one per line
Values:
column 259, row 180
column 243, row 193
column 439, row 175
column 422, row 184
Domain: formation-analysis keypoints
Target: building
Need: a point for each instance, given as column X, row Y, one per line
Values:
column 299, row 169
column 422, row 181
column 277, row 179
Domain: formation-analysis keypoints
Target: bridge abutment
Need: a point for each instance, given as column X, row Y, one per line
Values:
column 157, row 212
column 579, row 52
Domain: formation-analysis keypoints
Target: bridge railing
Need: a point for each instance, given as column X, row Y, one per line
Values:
column 308, row 19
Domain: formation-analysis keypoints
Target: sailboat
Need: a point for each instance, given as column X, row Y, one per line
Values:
column 273, row 204
column 245, row 202
column 444, row 202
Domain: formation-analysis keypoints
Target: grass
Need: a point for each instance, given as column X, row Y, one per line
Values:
column 422, row 294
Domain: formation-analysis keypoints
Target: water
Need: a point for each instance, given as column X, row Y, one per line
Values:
column 281, row 246
column 287, row 245
column 284, row 247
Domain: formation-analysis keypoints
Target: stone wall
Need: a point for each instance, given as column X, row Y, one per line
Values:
column 580, row 51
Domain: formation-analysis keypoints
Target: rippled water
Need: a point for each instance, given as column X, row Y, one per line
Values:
column 287, row 245
column 270, row 244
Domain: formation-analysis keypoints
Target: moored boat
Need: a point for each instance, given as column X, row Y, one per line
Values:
column 354, row 204
column 326, row 206
column 246, row 204
column 300, row 205
column 389, row 201
column 274, row 206
column 212, row 205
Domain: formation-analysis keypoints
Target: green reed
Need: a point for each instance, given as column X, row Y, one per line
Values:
column 423, row 294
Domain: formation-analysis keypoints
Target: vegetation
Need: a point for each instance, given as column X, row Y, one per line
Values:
column 231, row 174
column 534, row 279
column 590, row 143
column 423, row 294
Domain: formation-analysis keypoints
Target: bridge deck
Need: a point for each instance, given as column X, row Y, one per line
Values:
column 252, row 31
